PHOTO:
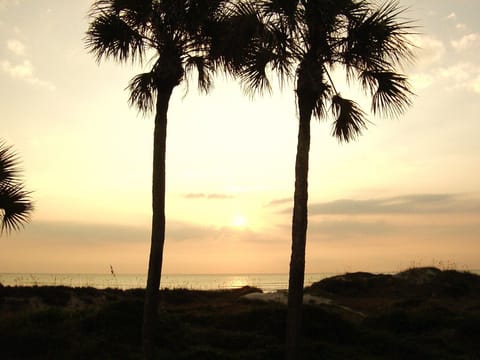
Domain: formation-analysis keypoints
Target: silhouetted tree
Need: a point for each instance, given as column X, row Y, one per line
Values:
column 311, row 39
column 176, row 36
column 15, row 202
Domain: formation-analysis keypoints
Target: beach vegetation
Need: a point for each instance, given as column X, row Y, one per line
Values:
column 411, row 323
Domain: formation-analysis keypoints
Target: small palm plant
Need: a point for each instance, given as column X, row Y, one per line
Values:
column 15, row 202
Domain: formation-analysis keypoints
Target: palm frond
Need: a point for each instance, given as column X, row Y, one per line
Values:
column 253, row 74
column 235, row 36
column 287, row 8
column 392, row 32
column 241, row 9
column 277, row 41
column 174, row 13
column 203, row 68
column 136, row 13
column 320, row 111
column 377, row 37
column 136, row 6
column 391, row 93
column 16, row 206
column 255, row 83
column 257, row 44
column 143, row 89
column 287, row 13
column 198, row 13
column 110, row 36
column 9, row 163
column 350, row 119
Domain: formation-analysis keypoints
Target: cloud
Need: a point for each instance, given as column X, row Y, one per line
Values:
column 194, row 196
column 85, row 234
column 422, row 80
column 429, row 70
column 466, row 42
column 25, row 72
column 16, row 47
column 452, row 16
column 408, row 204
column 388, row 229
column 181, row 231
column 461, row 76
column 461, row 27
column 69, row 233
column 213, row 196
column 219, row 196
column 429, row 50
column 96, row 234
column 112, row 233
column 476, row 84
column 347, row 229
column 282, row 201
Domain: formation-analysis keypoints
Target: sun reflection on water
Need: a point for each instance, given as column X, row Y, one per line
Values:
column 237, row 282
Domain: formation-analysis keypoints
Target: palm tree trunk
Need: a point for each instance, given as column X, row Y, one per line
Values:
column 158, row 223
column 299, row 230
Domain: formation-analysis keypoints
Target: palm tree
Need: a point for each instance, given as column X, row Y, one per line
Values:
column 176, row 34
column 15, row 203
column 311, row 39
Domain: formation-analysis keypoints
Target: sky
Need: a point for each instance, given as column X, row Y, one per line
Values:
column 404, row 194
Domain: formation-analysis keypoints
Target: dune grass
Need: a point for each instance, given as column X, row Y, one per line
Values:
column 87, row 323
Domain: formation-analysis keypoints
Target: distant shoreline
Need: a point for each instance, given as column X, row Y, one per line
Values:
column 265, row 282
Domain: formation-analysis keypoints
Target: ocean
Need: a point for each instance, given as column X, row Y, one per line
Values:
column 266, row 282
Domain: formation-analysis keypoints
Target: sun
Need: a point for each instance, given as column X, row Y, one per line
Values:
column 239, row 221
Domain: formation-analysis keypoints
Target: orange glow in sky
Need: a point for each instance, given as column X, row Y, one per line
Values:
column 406, row 191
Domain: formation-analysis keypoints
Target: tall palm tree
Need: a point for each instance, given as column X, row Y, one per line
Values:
column 15, row 202
column 176, row 35
column 311, row 39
